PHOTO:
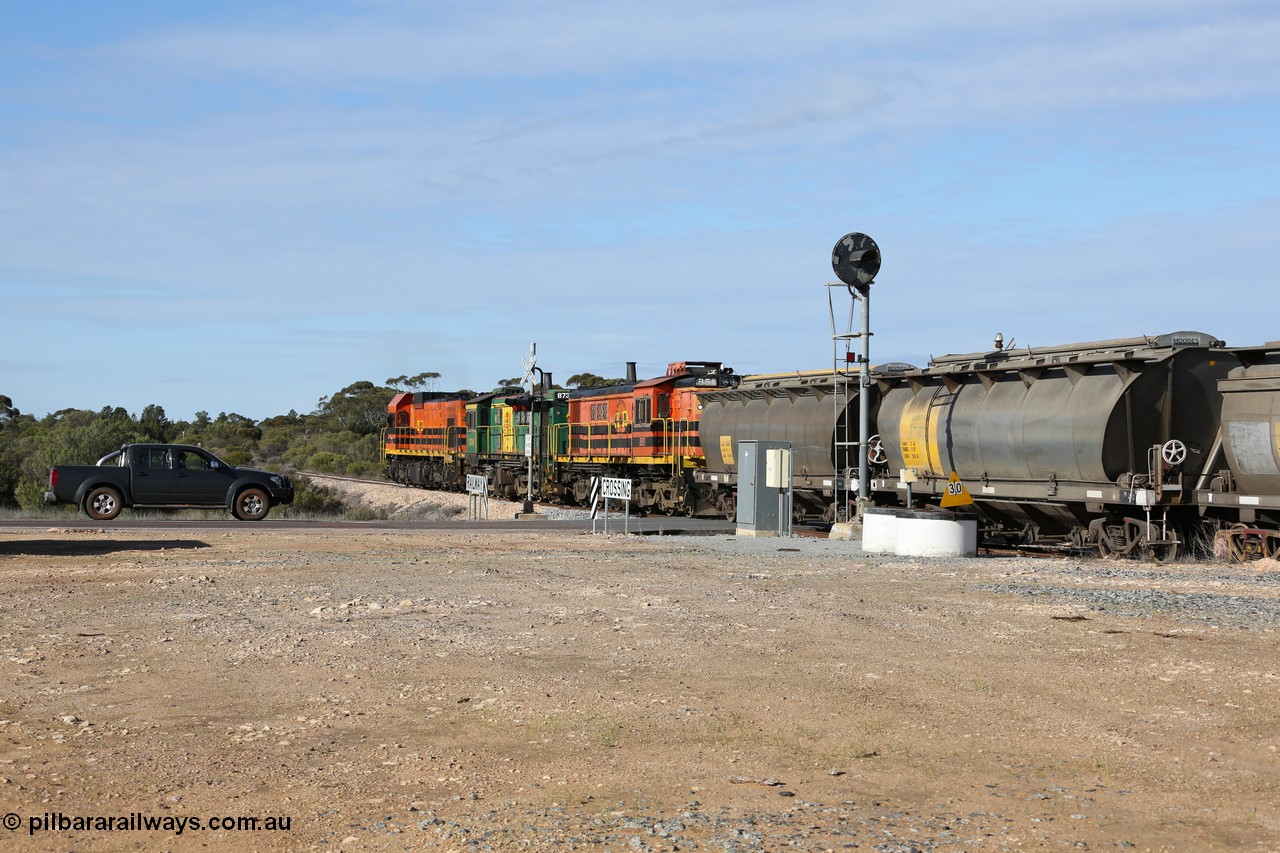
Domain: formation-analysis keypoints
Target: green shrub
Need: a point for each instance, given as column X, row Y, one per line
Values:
column 236, row 456
column 30, row 494
column 326, row 462
column 364, row 513
column 312, row 499
column 368, row 470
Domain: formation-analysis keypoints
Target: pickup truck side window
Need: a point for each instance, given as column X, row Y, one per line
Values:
column 153, row 457
column 191, row 461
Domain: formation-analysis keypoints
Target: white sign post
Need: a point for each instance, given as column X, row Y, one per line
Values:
column 477, row 496
column 609, row 488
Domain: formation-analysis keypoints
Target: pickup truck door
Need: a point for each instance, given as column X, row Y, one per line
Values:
column 163, row 475
column 200, row 477
column 151, row 475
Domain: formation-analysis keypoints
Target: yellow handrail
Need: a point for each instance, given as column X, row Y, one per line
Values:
column 555, row 433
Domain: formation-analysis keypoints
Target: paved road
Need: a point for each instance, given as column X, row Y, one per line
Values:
column 652, row 526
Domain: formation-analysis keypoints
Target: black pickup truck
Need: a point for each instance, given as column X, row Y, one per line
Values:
column 166, row 476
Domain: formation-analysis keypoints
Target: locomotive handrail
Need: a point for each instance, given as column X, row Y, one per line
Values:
column 667, row 428
column 681, row 449
column 451, row 443
column 668, row 439
column 554, row 435
column 673, row 443
column 675, row 440
column 484, row 435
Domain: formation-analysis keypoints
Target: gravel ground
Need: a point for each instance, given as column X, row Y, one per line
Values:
column 406, row 503
column 489, row 691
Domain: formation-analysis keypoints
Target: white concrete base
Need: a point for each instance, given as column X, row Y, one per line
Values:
column 919, row 533
column 879, row 533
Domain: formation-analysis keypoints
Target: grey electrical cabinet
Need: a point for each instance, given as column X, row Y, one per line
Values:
column 764, row 488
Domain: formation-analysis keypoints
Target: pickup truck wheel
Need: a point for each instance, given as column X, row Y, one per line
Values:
column 103, row 503
column 251, row 505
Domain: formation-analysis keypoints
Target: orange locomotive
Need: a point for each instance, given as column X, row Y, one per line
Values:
column 646, row 431
column 425, row 439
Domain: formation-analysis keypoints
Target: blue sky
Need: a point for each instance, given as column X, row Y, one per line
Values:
column 244, row 206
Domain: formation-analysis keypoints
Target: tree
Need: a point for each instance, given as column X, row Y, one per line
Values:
column 515, row 383
column 230, row 430
column 13, row 426
column 155, row 425
column 425, row 380
column 69, row 437
column 361, row 408
column 8, row 412
column 590, row 380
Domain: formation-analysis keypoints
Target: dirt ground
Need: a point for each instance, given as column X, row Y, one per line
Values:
column 405, row 689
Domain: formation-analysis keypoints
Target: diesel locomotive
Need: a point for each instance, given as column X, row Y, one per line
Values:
column 647, row 431
column 1143, row 445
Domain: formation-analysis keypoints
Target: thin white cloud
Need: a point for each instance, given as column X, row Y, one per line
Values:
column 563, row 171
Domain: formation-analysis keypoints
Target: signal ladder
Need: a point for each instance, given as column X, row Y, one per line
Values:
column 845, row 374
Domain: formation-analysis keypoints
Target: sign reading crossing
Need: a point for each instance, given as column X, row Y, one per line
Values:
column 605, row 489
column 616, row 488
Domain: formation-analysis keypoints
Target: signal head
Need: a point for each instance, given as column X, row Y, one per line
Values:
column 856, row 259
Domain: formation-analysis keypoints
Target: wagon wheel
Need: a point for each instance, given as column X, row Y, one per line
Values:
column 1242, row 542
column 1162, row 552
column 1170, row 550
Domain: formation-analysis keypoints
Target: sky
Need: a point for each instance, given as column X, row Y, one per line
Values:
column 245, row 205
